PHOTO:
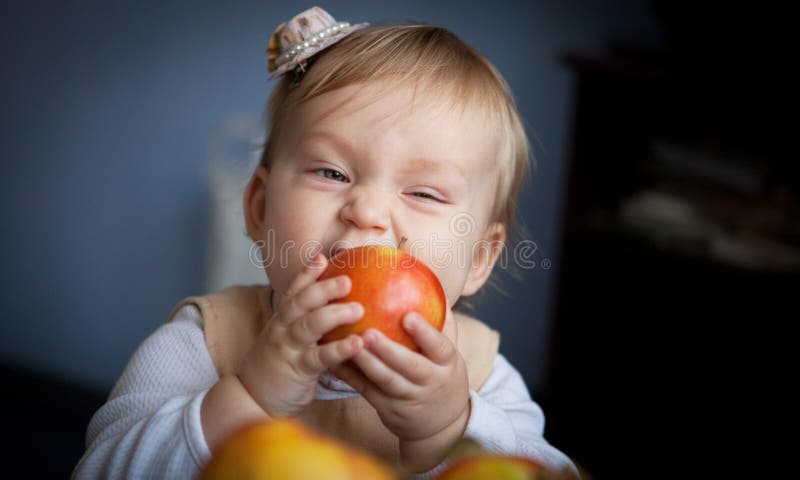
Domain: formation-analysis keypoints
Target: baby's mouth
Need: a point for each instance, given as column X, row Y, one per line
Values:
column 336, row 248
column 341, row 245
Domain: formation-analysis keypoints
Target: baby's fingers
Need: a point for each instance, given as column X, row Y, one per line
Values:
column 307, row 277
column 389, row 381
column 432, row 343
column 400, row 358
column 318, row 359
column 360, row 383
column 316, row 295
column 309, row 329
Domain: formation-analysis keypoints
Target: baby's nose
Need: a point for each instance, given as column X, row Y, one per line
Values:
column 367, row 208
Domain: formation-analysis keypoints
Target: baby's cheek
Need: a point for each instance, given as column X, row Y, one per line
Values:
column 282, row 257
column 452, row 280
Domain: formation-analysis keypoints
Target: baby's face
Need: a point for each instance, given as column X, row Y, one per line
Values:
column 348, row 173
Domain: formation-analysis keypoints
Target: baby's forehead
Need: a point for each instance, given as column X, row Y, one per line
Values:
column 431, row 121
column 419, row 101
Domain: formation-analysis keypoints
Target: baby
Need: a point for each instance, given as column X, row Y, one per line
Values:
column 378, row 133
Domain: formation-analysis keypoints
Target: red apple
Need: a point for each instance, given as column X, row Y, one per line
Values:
column 389, row 283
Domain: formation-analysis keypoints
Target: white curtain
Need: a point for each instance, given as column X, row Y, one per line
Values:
column 233, row 152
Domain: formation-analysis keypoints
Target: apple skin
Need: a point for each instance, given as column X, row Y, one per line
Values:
column 389, row 283
column 496, row 467
column 286, row 449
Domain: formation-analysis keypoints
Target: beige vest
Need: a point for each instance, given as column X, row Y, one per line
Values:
column 234, row 317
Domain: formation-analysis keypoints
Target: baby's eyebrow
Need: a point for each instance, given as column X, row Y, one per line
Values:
column 438, row 166
column 330, row 137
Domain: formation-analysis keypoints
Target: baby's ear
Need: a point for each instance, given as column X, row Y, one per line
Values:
column 253, row 203
column 485, row 254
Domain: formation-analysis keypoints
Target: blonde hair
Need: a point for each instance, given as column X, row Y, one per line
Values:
column 419, row 55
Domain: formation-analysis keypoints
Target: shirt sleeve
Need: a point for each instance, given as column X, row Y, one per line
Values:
column 150, row 426
column 505, row 420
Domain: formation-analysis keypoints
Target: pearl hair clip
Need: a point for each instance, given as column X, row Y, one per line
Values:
column 293, row 43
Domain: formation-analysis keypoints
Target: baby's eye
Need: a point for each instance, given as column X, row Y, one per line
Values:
column 425, row 195
column 331, row 174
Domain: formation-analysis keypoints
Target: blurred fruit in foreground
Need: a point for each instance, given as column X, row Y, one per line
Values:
column 471, row 461
column 496, row 468
column 288, row 450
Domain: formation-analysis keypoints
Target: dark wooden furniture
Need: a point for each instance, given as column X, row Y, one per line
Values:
column 679, row 260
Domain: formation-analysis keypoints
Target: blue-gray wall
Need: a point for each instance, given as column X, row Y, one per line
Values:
column 106, row 112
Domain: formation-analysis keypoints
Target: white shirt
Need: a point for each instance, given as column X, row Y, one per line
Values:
column 150, row 426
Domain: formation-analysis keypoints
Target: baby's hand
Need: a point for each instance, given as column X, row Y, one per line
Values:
column 281, row 370
column 423, row 398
